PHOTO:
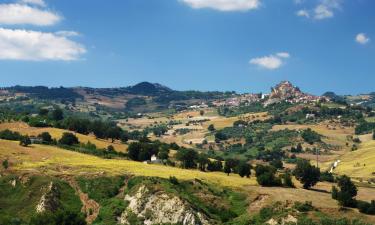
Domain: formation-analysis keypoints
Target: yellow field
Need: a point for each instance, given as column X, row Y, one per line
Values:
column 25, row 129
column 55, row 161
column 359, row 163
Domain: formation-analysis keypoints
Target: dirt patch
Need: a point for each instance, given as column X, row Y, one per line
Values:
column 258, row 203
column 90, row 207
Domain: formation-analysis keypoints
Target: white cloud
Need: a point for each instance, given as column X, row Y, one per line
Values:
column 17, row 14
column 283, row 55
column 37, row 46
column 224, row 5
column 361, row 38
column 34, row 2
column 323, row 12
column 303, row 13
column 270, row 62
column 67, row 33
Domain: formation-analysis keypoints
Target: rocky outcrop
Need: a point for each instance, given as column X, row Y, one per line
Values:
column 283, row 221
column 160, row 208
column 49, row 200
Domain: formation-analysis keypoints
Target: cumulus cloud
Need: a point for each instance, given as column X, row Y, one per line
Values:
column 37, row 46
column 270, row 62
column 324, row 10
column 303, row 13
column 224, row 5
column 18, row 14
column 362, row 38
column 34, row 2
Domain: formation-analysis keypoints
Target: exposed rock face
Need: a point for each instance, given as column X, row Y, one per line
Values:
column 283, row 221
column 49, row 200
column 160, row 208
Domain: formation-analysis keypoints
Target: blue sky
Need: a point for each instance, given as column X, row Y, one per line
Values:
column 240, row 45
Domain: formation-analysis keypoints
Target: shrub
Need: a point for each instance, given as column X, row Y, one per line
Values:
column 25, row 141
column 59, row 217
column 173, row 180
column 68, row 139
column 287, row 180
column 46, row 137
column 327, row 176
column 310, row 136
column 5, row 164
column 303, row 207
column 266, row 176
column 365, row 207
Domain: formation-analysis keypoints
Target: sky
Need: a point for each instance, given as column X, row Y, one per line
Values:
column 226, row 45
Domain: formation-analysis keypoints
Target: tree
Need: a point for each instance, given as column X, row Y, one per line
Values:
column 43, row 112
column 5, row 164
column 25, row 141
column 287, row 180
column 215, row 165
column 46, row 137
column 373, row 135
column 277, row 163
column 307, row 174
column 244, row 169
column 68, row 139
column 227, row 168
column 211, row 128
column 114, row 133
column 202, row 161
column 187, row 157
column 201, row 112
column 57, row 114
column 346, row 192
column 266, row 176
column 310, row 136
column 299, row 148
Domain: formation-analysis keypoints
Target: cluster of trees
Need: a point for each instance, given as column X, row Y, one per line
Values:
column 364, row 127
column 15, row 136
column 143, row 150
column 310, row 136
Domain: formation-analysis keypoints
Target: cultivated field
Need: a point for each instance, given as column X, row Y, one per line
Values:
column 25, row 129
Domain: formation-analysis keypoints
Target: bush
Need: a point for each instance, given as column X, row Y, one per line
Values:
column 327, row 176
column 173, row 180
column 68, row 139
column 303, row 207
column 287, row 180
column 46, row 137
column 365, row 207
column 5, row 164
column 25, row 141
column 58, row 218
column 310, row 136
column 266, row 176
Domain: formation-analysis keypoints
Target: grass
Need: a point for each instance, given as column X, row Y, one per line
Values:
column 56, row 133
column 52, row 160
column 20, row 201
column 359, row 163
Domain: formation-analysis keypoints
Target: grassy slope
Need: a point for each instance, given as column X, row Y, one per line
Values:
column 57, row 133
column 52, row 160
column 359, row 163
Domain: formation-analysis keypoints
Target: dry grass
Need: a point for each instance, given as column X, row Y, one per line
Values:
column 55, row 161
column 24, row 129
column 359, row 163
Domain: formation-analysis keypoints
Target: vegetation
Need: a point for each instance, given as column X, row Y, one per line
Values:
column 266, row 176
column 307, row 174
column 346, row 192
